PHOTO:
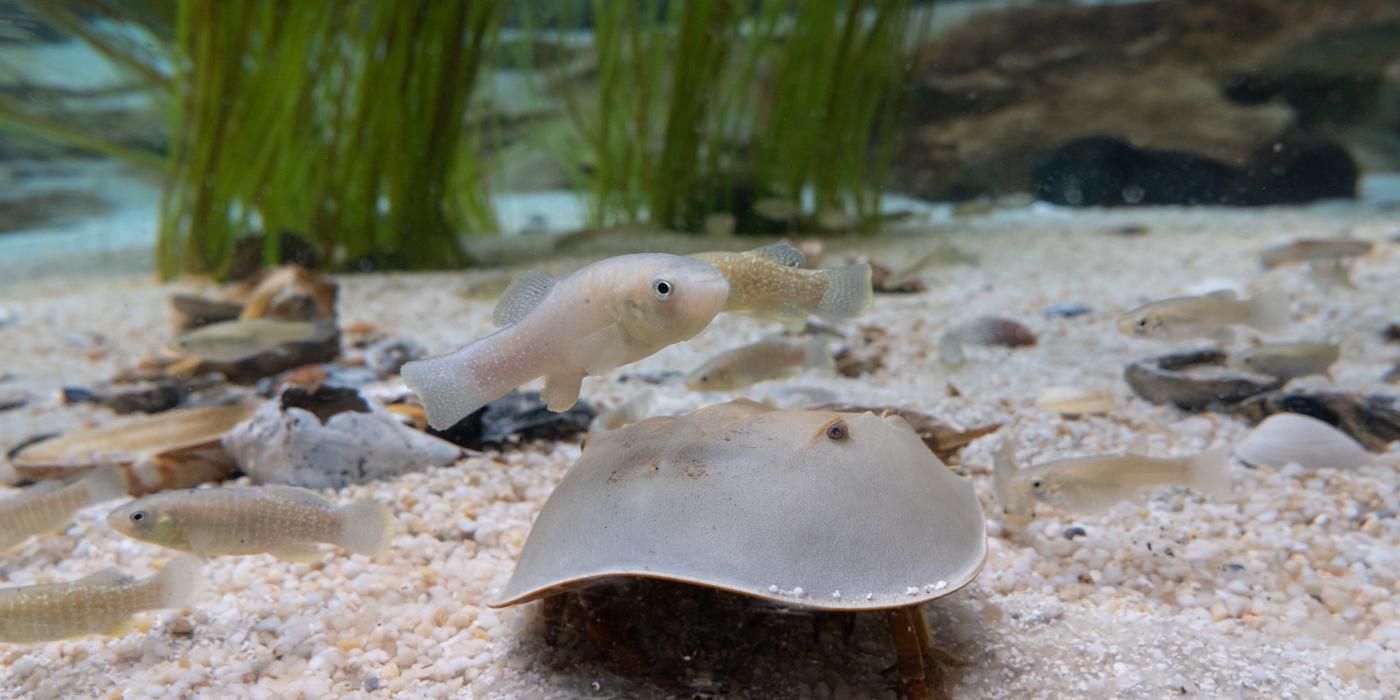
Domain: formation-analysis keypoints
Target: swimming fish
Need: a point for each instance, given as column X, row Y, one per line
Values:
column 1091, row 484
column 49, row 505
column 102, row 603
column 770, row 281
column 1289, row 360
column 608, row 314
column 285, row 521
column 1210, row 316
column 772, row 358
column 231, row 341
column 1313, row 250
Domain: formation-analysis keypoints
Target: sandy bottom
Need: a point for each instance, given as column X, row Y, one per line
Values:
column 1284, row 589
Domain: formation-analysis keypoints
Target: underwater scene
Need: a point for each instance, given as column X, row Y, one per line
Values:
column 808, row 349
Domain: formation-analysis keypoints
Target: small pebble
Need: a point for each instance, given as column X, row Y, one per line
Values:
column 1074, row 531
column 1065, row 311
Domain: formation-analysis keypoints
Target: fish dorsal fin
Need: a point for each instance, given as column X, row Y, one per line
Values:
column 782, row 253
column 298, row 494
column 1225, row 294
column 525, row 292
column 107, row 577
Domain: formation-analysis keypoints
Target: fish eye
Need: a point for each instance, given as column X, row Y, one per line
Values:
column 837, row 431
column 662, row 288
column 1035, row 483
column 1142, row 322
column 138, row 516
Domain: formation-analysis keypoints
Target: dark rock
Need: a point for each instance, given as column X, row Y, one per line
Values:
column 1293, row 169
column 148, row 396
column 1372, row 419
column 193, row 311
column 1391, row 333
column 281, row 358
column 293, row 250
column 517, row 418
column 1065, row 311
column 1170, row 380
column 1102, row 171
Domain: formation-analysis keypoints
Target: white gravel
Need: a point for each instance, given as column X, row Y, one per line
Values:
column 1285, row 589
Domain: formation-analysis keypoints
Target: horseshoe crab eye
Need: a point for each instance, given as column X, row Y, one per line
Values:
column 138, row 516
column 837, row 431
column 662, row 288
column 1035, row 484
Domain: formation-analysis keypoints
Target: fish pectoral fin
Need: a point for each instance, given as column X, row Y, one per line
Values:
column 782, row 253
column 604, row 350
column 561, row 391
column 525, row 292
column 121, row 629
column 297, row 553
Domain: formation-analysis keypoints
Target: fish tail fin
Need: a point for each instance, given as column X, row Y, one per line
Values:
column 179, row 582
column 848, row 291
column 817, row 355
column 1209, row 472
column 367, row 528
column 105, row 483
column 950, row 348
column 1270, row 311
column 449, row 388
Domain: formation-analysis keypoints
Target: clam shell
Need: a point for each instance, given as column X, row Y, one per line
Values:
column 171, row 450
column 812, row 509
column 1293, row 438
column 1178, row 380
column 1070, row 400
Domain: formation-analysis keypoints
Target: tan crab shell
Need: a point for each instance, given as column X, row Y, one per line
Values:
column 171, row 450
column 814, row 509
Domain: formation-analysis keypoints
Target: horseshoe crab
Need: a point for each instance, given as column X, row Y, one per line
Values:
column 820, row 510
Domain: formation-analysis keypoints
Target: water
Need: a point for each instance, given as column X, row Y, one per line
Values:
column 1007, row 160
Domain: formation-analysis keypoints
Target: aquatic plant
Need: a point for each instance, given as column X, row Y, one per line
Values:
column 342, row 123
column 702, row 107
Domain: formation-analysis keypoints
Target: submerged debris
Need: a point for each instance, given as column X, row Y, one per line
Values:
column 1194, row 381
column 171, row 450
column 1293, row 438
column 154, row 395
column 1073, row 401
column 330, row 438
column 1371, row 419
column 517, row 418
column 865, row 354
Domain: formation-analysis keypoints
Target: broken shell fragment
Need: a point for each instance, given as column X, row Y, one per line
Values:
column 1194, row 381
column 690, row 499
column 1069, row 400
column 172, row 450
column 330, row 438
column 1293, row 438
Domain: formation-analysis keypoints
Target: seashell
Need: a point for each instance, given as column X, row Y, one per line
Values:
column 172, row 450
column 1293, row 438
column 1070, row 400
column 998, row 331
column 1194, row 381
column 1371, row 419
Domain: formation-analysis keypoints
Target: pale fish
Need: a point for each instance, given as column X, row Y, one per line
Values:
column 1289, row 360
column 608, row 314
column 1091, row 484
column 772, row 358
column 285, row 521
column 102, row 603
column 49, row 505
column 770, row 281
column 1314, row 250
column 1210, row 316
column 231, row 341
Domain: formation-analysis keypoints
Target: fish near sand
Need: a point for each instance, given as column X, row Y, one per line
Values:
column 231, row 341
column 608, row 314
column 49, row 505
column 770, row 281
column 102, row 603
column 772, row 358
column 1091, row 484
column 1289, row 360
column 1210, row 316
column 1322, row 250
column 284, row 521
